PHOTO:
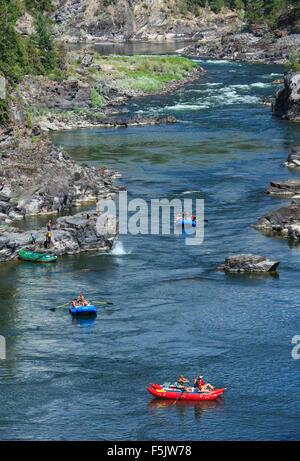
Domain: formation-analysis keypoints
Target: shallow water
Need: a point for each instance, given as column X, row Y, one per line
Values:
column 172, row 313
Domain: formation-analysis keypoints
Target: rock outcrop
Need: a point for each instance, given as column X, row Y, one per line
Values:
column 288, row 188
column 245, row 46
column 249, row 263
column 293, row 159
column 38, row 178
column 91, row 20
column 287, row 100
column 71, row 235
column 284, row 221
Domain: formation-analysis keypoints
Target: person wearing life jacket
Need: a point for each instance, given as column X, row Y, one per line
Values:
column 74, row 303
column 198, row 383
column 82, row 301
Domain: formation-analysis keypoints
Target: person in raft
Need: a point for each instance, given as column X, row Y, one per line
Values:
column 200, row 385
column 81, row 300
column 74, row 303
column 180, row 382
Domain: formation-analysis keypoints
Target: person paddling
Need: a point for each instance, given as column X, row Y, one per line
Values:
column 180, row 382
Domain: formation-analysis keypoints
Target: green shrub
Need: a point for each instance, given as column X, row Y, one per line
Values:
column 293, row 62
column 96, row 98
column 4, row 112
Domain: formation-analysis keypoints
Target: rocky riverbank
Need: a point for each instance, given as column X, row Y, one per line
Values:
column 70, row 235
column 38, row 178
column 97, row 89
column 284, row 221
column 260, row 46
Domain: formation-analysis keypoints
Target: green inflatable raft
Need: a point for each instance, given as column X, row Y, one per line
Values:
column 37, row 257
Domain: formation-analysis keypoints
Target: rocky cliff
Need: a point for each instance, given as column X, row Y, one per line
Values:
column 38, row 178
column 287, row 100
column 135, row 19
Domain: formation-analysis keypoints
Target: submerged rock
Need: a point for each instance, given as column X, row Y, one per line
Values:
column 249, row 263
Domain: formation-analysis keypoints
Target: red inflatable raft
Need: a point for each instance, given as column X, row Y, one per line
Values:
column 174, row 393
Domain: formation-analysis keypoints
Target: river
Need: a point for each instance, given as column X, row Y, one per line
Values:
column 173, row 313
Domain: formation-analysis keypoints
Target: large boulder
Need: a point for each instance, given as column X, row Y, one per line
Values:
column 287, row 188
column 293, row 159
column 284, row 221
column 287, row 100
column 249, row 263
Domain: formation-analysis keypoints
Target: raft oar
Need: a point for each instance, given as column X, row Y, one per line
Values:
column 183, row 390
column 101, row 302
column 57, row 307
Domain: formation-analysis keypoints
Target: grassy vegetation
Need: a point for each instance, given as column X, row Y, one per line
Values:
column 143, row 73
column 294, row 61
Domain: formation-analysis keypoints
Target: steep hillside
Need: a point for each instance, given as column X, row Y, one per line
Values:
column 140, row 19
column 169, row 19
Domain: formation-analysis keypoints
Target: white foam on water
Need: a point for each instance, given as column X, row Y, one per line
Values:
column 190, row 192
column 212, row 95
column 119, row 249
column 260, row 85
column 271, row 75
column 215, row 61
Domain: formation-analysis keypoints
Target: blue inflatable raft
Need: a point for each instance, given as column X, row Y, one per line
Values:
column 83, row 310
column 186, row 222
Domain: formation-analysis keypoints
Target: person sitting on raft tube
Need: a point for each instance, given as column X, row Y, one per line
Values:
column 74, row 303
column 82, row 301
column 180, row 382
column 200, row 385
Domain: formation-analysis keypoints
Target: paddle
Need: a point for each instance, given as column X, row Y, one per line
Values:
column 179, row 396
column 101, row 302
column 53, row 309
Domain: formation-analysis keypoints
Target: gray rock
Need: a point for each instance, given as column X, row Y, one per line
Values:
column 286, row 188
column 284, row 221
column 70, row 235
column 249, row 263
column 293, row 159
column 287, row 100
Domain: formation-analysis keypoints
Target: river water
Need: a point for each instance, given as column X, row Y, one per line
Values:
column 173, row 313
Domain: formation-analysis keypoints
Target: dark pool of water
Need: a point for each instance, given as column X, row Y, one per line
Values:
column 172, row 313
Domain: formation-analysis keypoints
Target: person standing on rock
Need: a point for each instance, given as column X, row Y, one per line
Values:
column 49, row 225
column 48, row 240
column 97, row 207
column 32, row 239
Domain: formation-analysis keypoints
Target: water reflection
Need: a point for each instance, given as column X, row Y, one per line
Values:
column 83, row 321
column 130, row 48
column 185, row 407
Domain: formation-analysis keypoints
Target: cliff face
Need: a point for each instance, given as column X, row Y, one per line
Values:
column 287, row 100
column 136, row 19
